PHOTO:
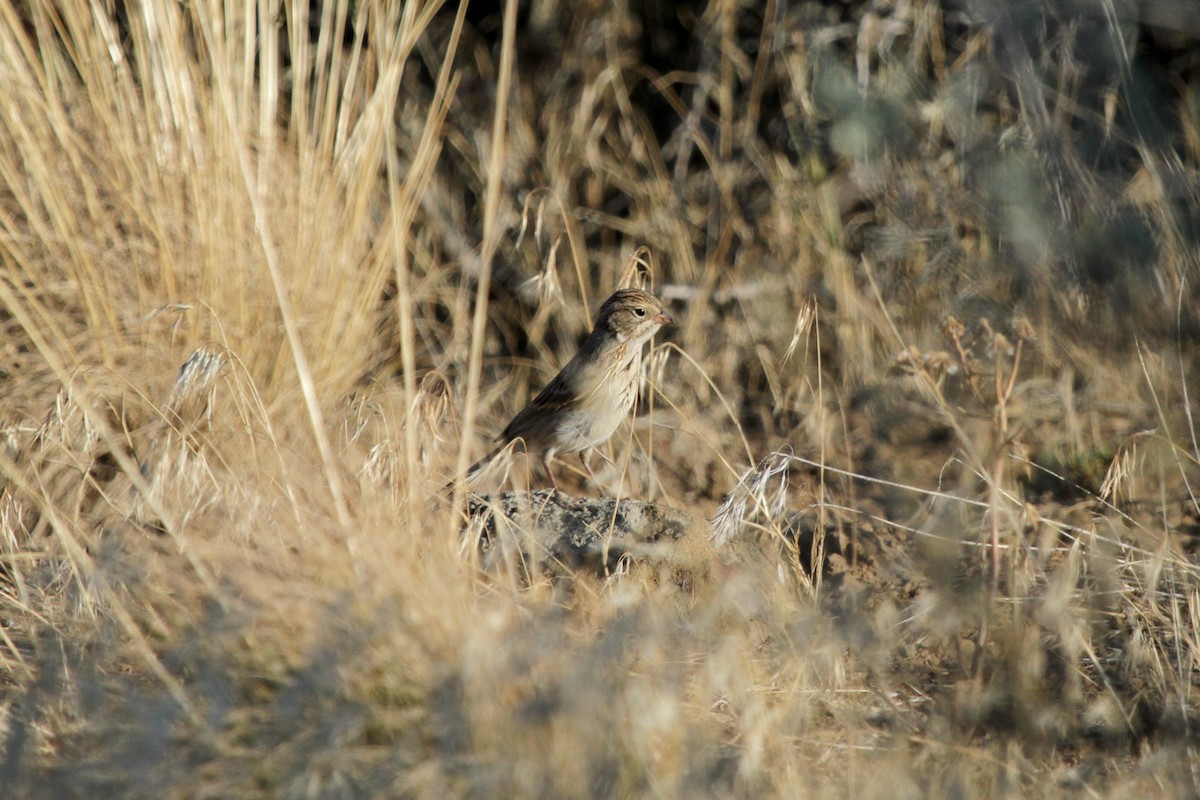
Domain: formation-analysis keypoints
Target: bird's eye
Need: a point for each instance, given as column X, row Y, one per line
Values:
column 641, row 312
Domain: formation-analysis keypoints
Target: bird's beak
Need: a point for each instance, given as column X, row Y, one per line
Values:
column 664, row 319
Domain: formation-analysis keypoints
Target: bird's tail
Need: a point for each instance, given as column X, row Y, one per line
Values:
column 476, row 467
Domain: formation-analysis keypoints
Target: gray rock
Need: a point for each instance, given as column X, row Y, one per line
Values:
column 547, row 533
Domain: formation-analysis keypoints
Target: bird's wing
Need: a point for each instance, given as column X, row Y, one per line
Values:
column 558, row 396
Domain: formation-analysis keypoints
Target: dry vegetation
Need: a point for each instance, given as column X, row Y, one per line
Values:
column 268, row 281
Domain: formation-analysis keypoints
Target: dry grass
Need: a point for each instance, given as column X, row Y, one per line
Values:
column 268, row 281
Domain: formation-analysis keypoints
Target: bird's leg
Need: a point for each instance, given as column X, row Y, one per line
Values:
column 549, row 472
column 583, row 454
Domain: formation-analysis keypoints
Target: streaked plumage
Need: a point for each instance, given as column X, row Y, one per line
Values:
column 586, row 401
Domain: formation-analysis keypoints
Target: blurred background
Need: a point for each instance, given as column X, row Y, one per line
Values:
column 273, row 273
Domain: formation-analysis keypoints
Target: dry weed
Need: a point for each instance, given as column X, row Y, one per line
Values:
column 367, row 231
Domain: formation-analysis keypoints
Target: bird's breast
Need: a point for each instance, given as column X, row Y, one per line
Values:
column 604, row 404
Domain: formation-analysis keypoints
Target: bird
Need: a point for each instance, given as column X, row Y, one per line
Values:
column 584, row 403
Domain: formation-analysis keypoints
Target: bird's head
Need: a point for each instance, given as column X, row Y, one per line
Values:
column 633, row 315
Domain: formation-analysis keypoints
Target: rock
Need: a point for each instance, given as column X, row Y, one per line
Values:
column 547, row 533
